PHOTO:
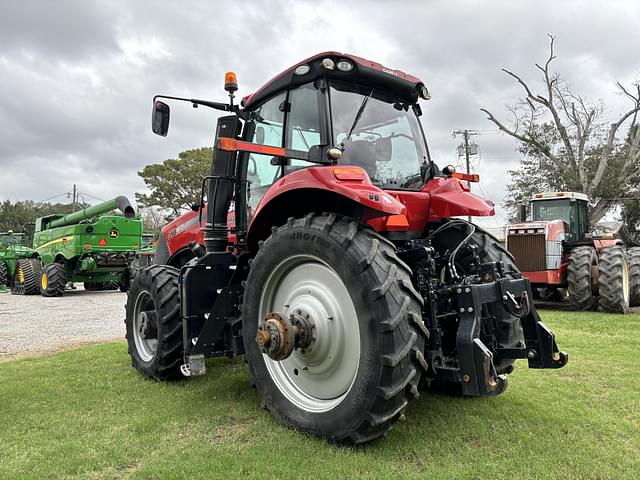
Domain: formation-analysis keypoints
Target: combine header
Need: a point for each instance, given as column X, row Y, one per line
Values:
column 88, row 246
column 327, row 255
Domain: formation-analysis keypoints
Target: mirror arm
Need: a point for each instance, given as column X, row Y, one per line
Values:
column 205, row 103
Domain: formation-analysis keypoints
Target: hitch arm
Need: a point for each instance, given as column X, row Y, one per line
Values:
column 477, row 371
column 541, row 347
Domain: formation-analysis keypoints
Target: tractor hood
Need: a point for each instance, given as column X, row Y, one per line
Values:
column 552, row 229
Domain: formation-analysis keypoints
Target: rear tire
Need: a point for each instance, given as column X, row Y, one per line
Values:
column 53, row 280
column 633, row 254
column 26, row 279
column 614, row 280
column 579, row 278
column 355, row 381
column 155, row 337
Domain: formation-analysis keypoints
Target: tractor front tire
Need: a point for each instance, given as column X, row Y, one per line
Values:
column 633, row 254
column 53, row 280
column 365, row 360
column 579, row 277
column 613, row 281
column 153, row 323
column 26, row 279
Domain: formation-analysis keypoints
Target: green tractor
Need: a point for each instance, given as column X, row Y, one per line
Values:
column 18, row 269
column 89, row 246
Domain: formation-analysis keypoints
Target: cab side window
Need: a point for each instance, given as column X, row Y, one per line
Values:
column 267, row 125
column 303, row 122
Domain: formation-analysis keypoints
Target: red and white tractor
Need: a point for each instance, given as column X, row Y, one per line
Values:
column 562, row 257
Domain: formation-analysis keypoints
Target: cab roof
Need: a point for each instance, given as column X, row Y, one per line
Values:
column 559, row 195
column 367, row 72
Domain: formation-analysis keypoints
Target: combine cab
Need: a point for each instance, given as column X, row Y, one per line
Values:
column 561, row 257
column 88, row 246
column 327, row 255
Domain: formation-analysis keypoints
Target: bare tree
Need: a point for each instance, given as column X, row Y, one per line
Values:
column 153, row 219
column 580, row 146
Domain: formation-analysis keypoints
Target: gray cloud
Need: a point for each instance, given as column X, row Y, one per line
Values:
column 77, row 77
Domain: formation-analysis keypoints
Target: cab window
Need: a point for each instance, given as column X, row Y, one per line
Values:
column 303, row 122
column 266, row 128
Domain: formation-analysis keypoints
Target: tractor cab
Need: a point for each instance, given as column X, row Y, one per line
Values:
column 332, row 132
column 570, row 207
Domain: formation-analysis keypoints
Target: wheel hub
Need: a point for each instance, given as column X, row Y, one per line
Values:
column 278, row 336
column 148, row 325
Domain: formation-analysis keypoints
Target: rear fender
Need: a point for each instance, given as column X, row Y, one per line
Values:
column 177, row 235
column 316, row 189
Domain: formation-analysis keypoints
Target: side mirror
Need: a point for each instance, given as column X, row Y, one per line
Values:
column 160, row 118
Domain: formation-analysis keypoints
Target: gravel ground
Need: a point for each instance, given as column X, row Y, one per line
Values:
column 34, row 324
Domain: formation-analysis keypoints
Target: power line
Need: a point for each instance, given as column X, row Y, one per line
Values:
column 73, row 195
column 92, row 196
column 55, row 196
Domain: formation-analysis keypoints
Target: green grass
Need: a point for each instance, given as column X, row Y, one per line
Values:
column 86, row 413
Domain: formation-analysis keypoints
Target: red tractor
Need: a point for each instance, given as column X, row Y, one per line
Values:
column 562, row 257
column 327, row 255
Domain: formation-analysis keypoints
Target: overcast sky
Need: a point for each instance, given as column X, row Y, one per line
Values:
column 77, row 77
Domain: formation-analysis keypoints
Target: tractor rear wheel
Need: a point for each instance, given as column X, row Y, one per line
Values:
column 361, row 359
column 4, row 274
column 53, row 280
column 154, row 324
column 633, row 254
column 613, row 281
column 26, row 279
column 579, row 277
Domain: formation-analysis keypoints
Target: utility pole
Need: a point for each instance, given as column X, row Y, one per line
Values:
column 74, row 198
column 466, row 134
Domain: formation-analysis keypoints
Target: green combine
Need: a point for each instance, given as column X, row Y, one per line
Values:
column 89, row 246
column 18, row 269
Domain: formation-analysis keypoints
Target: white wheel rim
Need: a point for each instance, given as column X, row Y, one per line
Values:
column 625, row 282
column 317, row 378
column 146, row 347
